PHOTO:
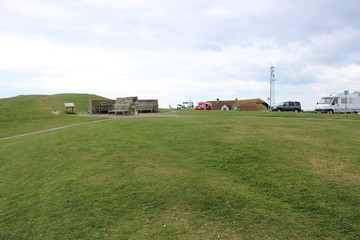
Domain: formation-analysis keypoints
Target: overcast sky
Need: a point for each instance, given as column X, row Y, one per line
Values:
column 178, row 51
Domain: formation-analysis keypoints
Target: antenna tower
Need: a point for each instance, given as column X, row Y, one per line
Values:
column 272, row 86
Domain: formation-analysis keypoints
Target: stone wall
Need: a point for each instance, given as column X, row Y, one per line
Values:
column 100, row 106
column 153, row 102
column 131, row 101
column 127, row 100
column 134, row 102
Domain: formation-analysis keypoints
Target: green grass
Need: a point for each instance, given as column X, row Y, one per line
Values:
column 206, row 177
column 217, row 113
column 29, row 113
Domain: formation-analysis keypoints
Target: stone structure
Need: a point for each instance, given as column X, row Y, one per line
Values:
column 100, row 106
column 148, row 105
column 131, row 101
column 142, row 105
column 135, row 105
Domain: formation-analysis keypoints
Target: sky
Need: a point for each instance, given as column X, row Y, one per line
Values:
column 176, row 51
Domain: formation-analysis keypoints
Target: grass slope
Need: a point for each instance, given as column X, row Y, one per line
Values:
column 28, row 113
column 184, row 178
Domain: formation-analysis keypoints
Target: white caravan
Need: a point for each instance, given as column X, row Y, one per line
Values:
column 339, row 103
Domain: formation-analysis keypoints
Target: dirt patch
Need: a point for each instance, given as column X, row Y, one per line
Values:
column 55, row 112
column 333, row 169
column 185, row 219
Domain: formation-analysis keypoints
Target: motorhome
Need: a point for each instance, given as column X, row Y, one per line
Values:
column 344, row 102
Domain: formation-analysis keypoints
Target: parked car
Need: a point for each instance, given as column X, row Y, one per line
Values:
column 203, row 106
column 288, row 106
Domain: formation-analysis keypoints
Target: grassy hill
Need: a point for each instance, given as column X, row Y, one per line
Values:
column 209, row 175
column 27, row 113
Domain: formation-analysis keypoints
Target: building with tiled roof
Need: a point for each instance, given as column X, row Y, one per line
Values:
column 243, row 105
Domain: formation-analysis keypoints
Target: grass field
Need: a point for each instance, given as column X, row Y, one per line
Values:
column 29, row 113
column 209, row 175
column 269, row 114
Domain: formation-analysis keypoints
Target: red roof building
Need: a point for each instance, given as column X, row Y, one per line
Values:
column 243, row 105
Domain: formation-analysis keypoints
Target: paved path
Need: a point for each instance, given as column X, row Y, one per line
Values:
column 141, row 115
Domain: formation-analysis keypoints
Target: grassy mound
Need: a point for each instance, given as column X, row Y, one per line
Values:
column 27, row 113
column 184, row 178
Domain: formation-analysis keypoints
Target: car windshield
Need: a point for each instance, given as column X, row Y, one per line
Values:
column 280, row 104
column 325, row 100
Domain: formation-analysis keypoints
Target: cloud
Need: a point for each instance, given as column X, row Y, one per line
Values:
column 180, row 50
column 345, row 76
column 35, row 9
column 234, row 72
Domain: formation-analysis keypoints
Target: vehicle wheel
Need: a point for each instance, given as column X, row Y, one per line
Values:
column 330, row 112
column 296, row 110
column 279, row 110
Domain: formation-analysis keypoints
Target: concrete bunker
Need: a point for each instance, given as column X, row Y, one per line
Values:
column 124, row 105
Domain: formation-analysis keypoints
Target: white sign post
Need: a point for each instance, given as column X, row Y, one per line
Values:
column 346, row 92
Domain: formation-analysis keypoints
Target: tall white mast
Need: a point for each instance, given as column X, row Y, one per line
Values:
column 272, row 87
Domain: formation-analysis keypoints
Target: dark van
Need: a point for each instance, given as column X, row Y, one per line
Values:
column 288, row 106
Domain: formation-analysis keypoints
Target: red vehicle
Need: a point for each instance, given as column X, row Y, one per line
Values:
column 203, row 106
